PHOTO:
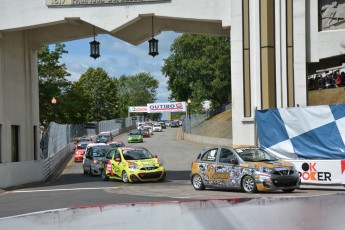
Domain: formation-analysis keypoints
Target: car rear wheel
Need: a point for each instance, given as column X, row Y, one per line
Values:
column 91, row 174
column 288, row 190
column 197, row 182
column 124, row 177
column 85, row 172
column 248, row 184
column 104, row 176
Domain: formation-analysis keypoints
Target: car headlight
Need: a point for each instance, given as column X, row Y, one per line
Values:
column 264, row 169
column 132, row 166
column 96, row 161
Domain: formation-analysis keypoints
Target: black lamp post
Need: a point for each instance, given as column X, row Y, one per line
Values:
column 54, row 101
column 116, row 109
column 94, row 47
column 153, row 44
column 189, row 102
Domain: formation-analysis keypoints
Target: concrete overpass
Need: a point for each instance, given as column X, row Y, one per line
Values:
column 274, row 45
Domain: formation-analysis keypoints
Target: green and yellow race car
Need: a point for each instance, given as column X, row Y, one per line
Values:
column 135, row 136
column 132, row 164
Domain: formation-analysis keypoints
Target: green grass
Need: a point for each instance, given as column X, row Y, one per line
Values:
column 326, row 96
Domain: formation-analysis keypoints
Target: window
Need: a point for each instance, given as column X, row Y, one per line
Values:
column 110, row 154
column 117, row 154
column 210, row 155
column 226, row 156
column 15, row 142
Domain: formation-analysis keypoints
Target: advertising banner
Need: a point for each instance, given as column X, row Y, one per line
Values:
column 137, row 109
column 327, row 172
column 166, row 107
column 313, row 132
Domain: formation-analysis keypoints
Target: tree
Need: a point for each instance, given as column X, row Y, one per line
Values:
column 199, row 68
column 52, row 81
column 137, row 90
column 101, row 91
column 76, row 103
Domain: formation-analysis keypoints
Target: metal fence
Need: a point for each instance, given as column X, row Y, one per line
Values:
column 57, row 136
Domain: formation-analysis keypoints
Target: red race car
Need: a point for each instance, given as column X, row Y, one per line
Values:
column 145, row 132
column 79, row 151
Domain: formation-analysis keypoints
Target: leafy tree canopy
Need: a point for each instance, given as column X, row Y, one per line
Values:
column 137, row 90
column 102, row 93
column 52, row 80
column 199, row 68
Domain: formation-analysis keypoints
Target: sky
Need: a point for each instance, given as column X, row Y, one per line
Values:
column 120, row 58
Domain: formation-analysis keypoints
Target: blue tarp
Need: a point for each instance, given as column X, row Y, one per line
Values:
column 314, row 132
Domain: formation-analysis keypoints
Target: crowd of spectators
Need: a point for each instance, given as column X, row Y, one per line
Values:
column 332, row 80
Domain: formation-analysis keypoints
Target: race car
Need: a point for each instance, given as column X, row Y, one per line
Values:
column 249, row 169
column 135, row 136
column 79, row 151
column 132, row 164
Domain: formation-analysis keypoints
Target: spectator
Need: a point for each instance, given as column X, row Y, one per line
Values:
column 338, row 80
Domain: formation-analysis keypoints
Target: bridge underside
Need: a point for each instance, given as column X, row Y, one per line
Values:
column 135, row 32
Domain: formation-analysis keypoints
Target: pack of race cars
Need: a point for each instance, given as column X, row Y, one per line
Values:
column 249, row 169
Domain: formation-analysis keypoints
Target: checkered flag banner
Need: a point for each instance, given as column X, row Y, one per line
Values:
column 313, row 132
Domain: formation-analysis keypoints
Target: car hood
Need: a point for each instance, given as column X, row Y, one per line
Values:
column 134, row 136
column 269, row 164
column 144, row 162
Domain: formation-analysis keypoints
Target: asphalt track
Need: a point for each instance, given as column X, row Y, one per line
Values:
column 74, row 189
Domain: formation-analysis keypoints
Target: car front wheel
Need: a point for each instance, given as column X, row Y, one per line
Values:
column 124, row 177
column 104, row 176
column 197, row 182
column 248, row 184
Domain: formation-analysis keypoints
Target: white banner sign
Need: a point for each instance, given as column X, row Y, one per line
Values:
column 137, row 109
column 166, row 107
column 325, row 172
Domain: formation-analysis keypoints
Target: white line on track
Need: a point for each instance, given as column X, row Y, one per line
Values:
column 58, row 190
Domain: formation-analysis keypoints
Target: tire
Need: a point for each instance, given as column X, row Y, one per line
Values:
column 91, row 174
column 125, row 177
column 104, row 176
column 248, row 184
column 197, row 182
column 85, row 172
column 162, row 179
column 288, row 190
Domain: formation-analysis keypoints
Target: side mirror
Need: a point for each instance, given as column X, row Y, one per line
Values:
column 155, row 156
column 118, row 159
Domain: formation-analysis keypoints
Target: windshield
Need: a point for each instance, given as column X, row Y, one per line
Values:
column 135, row 133
column 137, row 154
column 100, row 152
column 83, row 146
column 114, row 145
column 255, row 155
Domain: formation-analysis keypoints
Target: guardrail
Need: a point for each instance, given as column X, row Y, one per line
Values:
column 51, row 164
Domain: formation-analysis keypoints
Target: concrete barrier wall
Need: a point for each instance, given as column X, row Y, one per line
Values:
column 206, row 140
column 18, row 173
column 321, row 212
column 24, row 172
